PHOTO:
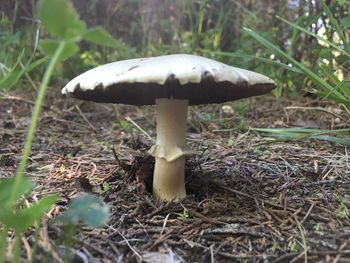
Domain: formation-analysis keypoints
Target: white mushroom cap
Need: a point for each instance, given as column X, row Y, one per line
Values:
column 140, row 81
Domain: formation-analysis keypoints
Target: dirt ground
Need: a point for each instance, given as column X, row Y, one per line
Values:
column 250, row 199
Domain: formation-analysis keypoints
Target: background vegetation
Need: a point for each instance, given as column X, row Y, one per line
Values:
column 207, row 27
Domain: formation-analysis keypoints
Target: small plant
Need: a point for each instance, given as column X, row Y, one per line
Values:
column 125, row 126
column 275, row 246
column 342, row 211
column 67, row 29
column 319, row 228
column 105, row 187
column 67, row 33
column 293, row 245
column 231, row 142
column 184, row 214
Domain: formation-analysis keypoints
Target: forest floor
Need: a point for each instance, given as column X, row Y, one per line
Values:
column 250, row 199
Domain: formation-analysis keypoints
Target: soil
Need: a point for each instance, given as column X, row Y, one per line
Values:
column 251, row 198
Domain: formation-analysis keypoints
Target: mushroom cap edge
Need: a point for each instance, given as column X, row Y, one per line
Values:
column 140, row 81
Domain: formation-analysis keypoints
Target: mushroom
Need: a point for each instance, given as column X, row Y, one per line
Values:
column 171, row 83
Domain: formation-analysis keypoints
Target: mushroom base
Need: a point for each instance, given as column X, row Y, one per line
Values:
column 169, row 179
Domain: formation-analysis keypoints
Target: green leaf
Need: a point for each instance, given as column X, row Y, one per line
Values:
column 6, row 186
column 99, row 36
column 60, row 19
column 87, row 208
column 345, row 22
column 22, row 220
column 49, row 47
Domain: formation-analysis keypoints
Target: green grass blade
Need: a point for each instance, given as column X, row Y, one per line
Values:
column 3, row 243
column 335, row 24
column 329, row 73
column 330, row 96
column 314, row 77
column 342, row 86
column 328, row 138
column 314, row 35
column 8, row 81
column 302, row 133
column 35, row 119
column 345, row 85
column 266, row 60
column 300, row 130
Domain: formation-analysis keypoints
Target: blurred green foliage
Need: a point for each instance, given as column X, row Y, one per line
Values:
column 88, row 209
column 16, row 54
column 205, row 27
column 329, row 73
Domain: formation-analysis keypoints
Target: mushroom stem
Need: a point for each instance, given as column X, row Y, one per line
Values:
column 170, row 150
